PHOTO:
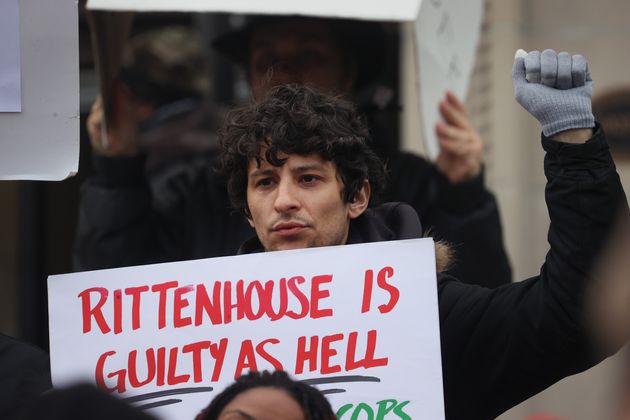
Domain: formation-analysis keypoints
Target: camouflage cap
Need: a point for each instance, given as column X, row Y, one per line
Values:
column 165, row 65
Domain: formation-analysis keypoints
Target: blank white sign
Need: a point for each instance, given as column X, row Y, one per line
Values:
column 42, row 141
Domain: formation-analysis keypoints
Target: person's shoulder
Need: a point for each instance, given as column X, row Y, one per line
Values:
column 13, row 349
column 411, row 161
column 24, row 374
column 394, row 211
column 389, row 221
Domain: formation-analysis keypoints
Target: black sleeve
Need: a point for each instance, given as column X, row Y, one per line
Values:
column 24, row 375
column 501, row 346
column 117, row 225
column 465, row 215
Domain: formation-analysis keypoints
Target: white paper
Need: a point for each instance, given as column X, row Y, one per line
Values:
column 10, row 96
column 447, row 33
column 406, row 335
column 396, row 10
column 42, row 142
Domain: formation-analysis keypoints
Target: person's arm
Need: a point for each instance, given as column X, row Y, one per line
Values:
column 502, row 346
column 117, row 225
column 24, row 376
column 466, row 215
column 456, row 205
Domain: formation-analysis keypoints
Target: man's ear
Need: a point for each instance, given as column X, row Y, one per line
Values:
column 361, row 200
column 248, row 216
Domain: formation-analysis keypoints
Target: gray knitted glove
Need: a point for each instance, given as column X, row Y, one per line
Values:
column 555, row 88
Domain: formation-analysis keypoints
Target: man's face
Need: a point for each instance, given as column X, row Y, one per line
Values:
column 300, row 52
column 300, row 204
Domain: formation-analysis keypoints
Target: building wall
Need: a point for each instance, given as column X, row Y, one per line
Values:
column 514, row 157
column 600, row 31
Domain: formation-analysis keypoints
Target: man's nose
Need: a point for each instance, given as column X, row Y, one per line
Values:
column 285, row 72
column 286, row 198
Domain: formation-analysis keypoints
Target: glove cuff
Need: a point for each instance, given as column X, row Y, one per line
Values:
column 561, row 117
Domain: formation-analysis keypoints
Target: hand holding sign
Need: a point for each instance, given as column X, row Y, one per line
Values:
column 461, row 149
column 120, row 138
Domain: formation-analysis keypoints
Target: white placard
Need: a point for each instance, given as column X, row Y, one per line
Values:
column 396, row 10
column 447, row 32
column 42, row 141
column 10, row 96
column 361, row 319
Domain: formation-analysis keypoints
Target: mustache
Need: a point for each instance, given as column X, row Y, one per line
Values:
column 290, row 218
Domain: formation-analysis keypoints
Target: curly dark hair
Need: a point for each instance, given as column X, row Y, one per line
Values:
column 314, row 404
column 294, row 119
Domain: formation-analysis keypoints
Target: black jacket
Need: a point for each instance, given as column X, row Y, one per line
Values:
column 122, row 223
column 501, row 346
column 24, row 375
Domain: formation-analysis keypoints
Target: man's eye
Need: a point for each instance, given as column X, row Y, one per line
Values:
column 264, row 182
column 261, row 63
column 310, row 58
column 309, row 179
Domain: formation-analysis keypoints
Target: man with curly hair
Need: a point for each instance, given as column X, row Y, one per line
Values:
column 300, row 170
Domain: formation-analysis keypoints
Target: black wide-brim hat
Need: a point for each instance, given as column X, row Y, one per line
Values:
column 364, row 41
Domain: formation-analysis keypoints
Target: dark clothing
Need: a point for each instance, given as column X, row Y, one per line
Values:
column 24, row 375
column 189, row 216
column 81, row 402
column 465, row 215
column 501, row 346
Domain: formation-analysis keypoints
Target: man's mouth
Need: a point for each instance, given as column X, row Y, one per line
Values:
column 288, row 228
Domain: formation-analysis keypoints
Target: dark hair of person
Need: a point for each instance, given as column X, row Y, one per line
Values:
column 294, row 119
column 314, row 404
column 81, row 401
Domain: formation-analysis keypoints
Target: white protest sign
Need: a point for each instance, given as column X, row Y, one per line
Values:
column 396, row 10
column 10, row 96
column 42, row 141
column 447, row 32
column 359, row 321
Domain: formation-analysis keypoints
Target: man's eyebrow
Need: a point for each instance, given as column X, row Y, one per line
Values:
column 298, row 169
column 261, row 43
column 262, row 172
column 240, row 413
column 308, row 167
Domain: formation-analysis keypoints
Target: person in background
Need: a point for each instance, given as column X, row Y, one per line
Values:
column 24, row 375
column 161, row 103
column 82, row 402
column 268, row 396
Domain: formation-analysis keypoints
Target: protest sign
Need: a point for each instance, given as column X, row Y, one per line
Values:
column 358, row 321
column 397, row 10
column 10, row 96
column 445, row 34
column 41, row 142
